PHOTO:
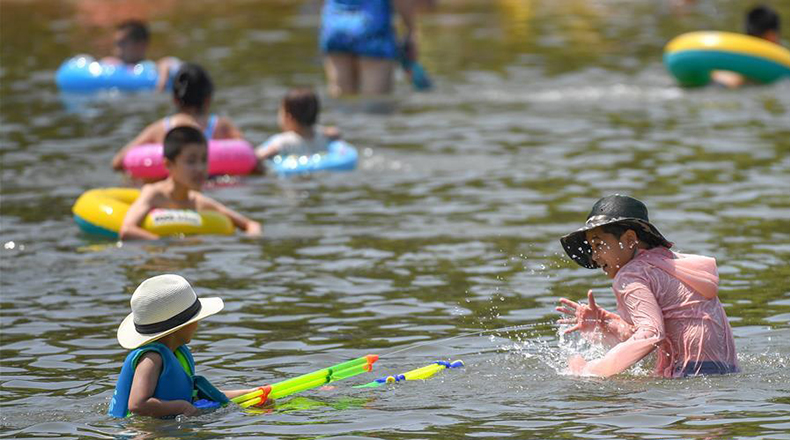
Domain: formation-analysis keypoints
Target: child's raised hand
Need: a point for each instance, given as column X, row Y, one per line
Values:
column 586, row 316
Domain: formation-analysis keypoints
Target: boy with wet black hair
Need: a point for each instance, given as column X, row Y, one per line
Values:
column 186, row 159
column 763, row 22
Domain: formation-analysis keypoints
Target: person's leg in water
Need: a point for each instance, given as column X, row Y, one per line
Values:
column 375, row 76
column 342, row 73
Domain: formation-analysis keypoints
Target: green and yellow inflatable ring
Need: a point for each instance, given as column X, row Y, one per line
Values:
column 101, row 211
column 691, row 57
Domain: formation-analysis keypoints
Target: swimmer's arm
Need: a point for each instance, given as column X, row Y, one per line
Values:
column 250, row 227
column 648, row 320
column 731, row 80
column 141, row 400
column 268, row 149
column 616, row 327
column 594, row 322
column 163, row 68
column 147, row 136
column 130, row 228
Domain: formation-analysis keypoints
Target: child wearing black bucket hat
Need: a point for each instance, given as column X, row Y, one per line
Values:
column 158, row 377
column 666, row 301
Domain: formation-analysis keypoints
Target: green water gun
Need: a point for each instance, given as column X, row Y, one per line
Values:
column 307, row 381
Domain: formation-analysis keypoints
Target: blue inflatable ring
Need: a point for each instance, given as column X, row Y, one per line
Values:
column 84, row 74
column 341, row 156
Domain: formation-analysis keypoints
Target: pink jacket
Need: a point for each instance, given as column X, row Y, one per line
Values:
column 670, row 301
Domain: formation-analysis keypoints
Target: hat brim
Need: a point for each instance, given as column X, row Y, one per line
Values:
column 130, row 339
column 577, row 247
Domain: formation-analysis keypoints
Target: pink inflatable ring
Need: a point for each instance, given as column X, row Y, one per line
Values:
column 225, row 156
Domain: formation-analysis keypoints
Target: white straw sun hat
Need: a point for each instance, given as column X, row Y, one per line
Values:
column 160, row 306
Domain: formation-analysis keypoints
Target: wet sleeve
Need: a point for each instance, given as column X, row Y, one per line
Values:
column 640, row 302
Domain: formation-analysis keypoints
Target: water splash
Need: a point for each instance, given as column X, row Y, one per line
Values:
column 555, row 352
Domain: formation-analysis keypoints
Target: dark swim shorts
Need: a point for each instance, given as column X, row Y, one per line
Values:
column 359, row 27
column 705, row 368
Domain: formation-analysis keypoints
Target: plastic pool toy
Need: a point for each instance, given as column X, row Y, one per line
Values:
column 225, row 156
column 307, row 381
column 419, row 373
column 341, row 156
column 691, row 57
column 101, row 211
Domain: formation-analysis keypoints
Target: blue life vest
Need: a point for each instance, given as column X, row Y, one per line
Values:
column 174, row 383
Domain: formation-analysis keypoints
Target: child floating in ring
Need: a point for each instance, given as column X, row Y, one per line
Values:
column 298, row 119
column 131, row 40
column 761, row 22
column 666, row 302
column 186, row 155
column 192, row 93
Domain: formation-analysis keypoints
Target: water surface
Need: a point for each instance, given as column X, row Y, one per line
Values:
column 448, row 229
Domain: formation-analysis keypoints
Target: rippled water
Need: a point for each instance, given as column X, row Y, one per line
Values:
column 449, row 228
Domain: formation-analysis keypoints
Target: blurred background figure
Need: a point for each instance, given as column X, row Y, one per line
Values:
column 360, row 45
column 761, row 22
column 130, row 44
column 298, row 120
column 192, row 93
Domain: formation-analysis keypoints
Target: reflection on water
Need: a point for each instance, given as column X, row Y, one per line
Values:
column 442, row 245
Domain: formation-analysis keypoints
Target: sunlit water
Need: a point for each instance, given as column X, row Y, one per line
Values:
column 448, row 229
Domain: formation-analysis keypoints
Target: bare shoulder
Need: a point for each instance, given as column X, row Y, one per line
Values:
column 153, row 194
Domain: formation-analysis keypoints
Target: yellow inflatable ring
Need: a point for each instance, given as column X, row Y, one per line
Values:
column 691, row 57
column 101, row 211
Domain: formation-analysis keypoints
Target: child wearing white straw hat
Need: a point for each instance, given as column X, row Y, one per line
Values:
column 158, row 377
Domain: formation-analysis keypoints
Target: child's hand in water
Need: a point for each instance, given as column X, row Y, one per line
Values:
column 188, row 409
column 576, row 364
column 586, row 316
column 253, row 229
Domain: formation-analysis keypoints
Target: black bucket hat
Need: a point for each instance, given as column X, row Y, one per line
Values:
column 616, row 208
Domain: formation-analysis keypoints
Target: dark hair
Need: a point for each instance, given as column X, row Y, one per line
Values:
column 179, row 137
column 302, row 105
column 192, row 86
column 136, row 30
column 618, row 229
column 760, row 20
